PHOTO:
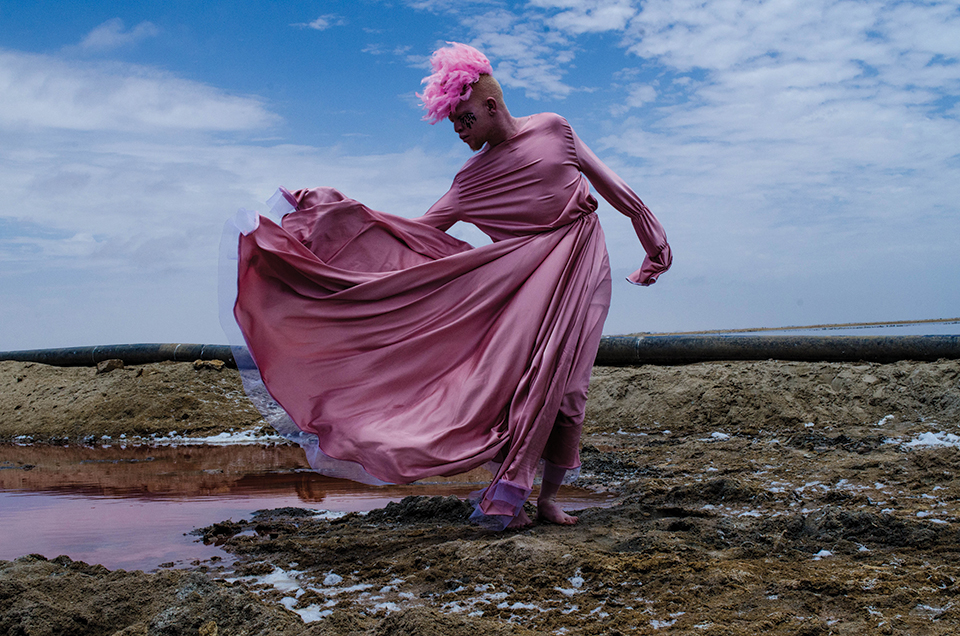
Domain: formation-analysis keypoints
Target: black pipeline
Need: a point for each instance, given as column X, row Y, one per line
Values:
column 636, row 350
column 129, row 353
column 614, row 350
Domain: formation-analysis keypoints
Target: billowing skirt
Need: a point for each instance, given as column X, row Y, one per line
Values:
column 398, row 352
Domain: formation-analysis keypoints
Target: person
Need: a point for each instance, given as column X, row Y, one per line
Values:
column 400, row 352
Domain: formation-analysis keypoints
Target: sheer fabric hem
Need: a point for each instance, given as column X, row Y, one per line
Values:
column 503, row 496
column 514, row 494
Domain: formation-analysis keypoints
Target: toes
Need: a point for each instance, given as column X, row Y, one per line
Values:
column 553, row 514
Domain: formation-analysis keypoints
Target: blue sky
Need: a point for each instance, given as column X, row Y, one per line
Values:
column 804, row 156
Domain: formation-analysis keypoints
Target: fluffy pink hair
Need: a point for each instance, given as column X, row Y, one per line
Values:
column 455, row 68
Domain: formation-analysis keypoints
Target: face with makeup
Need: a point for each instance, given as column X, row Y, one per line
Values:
column 483, row 117
column 473, row 121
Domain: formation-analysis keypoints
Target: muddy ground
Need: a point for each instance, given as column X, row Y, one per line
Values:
column 753, row 497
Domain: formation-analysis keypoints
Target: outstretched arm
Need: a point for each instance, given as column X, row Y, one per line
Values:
column 618, row 194
column 442, row 214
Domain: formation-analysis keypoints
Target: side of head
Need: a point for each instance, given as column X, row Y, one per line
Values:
column 482, row 117
column 487, row 87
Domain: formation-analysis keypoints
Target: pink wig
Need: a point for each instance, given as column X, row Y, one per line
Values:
column 455, row 68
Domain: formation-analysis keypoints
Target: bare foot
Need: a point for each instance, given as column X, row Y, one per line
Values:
column 549, row 510
column 522, row 520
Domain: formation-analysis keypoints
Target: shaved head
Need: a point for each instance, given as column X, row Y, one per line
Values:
column 487, row 86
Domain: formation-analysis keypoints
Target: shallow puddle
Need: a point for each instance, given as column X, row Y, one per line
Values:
column 133, row 507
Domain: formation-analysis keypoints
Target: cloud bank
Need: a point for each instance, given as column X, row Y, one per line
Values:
column 45, row 92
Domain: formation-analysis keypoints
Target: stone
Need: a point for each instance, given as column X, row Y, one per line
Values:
column 216, row 365
column 106, row 366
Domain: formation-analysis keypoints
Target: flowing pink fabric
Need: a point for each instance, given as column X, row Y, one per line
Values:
column 413, row 354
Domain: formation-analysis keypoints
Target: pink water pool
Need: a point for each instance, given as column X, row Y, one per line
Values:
column 134, row 507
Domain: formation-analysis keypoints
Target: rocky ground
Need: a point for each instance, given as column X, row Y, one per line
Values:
column 752, row 497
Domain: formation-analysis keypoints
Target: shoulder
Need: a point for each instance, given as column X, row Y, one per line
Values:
column 550, row 121
column 553, row 129
column 554, row 126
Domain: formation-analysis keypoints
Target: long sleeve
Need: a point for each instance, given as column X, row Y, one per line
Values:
column 618, row 194
column 444, row 213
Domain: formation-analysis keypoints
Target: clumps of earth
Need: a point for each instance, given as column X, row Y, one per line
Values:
column 751, row 497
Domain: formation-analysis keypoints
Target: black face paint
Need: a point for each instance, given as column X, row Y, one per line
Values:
column 466, row 120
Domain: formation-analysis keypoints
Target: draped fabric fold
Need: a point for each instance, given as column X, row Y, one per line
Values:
column 407, row 352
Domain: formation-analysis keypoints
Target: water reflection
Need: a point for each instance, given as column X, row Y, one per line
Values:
column 130, row 507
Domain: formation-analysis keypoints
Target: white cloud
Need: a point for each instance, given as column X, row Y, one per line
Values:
column 534, row 48
column 323, row 22
column 448, row 6
column 46, row 92
column 524, row 55
column 637, row 95
column 829, row 87
column 111, row 35
column 641, row 94
column 122, row 191
column 685, row 34
column 588, row 16
column 384, row 49
column 826, row 99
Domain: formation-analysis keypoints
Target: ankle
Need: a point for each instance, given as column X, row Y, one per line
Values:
column 546, row 499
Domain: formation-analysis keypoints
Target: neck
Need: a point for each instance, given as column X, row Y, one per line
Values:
column 509, row 127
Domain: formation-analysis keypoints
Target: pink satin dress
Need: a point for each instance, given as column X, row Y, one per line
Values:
column 409, row 353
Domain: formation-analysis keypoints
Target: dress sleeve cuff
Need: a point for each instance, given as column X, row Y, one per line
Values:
column 652, row 267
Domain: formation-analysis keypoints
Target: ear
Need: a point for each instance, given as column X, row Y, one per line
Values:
column 491, row 105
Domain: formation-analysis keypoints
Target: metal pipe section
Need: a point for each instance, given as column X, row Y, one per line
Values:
column 614, row 350
column 129, row 353
column 666, row 350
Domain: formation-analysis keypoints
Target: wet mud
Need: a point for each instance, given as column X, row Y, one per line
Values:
column 756, row 497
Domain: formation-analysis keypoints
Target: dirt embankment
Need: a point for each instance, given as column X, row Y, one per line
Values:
column 761, row 497
column 77, row 404
column 45, row 404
